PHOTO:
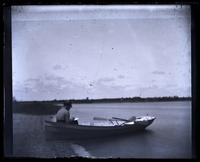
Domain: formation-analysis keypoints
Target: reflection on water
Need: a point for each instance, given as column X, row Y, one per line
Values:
column 113, row 139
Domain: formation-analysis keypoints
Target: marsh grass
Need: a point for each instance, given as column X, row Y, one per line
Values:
column 35, row 108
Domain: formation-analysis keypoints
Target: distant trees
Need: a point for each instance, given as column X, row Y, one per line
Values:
column 122, row 99
column 132, row 99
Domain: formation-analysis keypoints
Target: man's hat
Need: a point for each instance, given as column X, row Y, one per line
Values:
column 68, row 103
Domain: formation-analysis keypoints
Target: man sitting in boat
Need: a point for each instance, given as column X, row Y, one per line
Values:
column 63, row 115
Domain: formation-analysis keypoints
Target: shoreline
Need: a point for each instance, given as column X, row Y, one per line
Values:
column 114, row 100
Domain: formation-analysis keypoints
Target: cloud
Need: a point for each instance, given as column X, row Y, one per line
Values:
column 121, row 76
column 105, row 80
column 158, row 72
column 172, row 85
column 57, row 67
column 48, row 87
column 51, row 77
column 32, row 80
column 109, row 91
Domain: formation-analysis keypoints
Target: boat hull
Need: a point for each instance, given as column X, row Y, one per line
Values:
column 55, row 130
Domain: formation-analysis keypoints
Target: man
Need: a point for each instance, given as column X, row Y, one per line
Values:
column 63, row 115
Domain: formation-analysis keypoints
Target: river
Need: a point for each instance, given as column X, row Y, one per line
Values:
column 169, row 136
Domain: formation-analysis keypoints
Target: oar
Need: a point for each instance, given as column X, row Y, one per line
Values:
column 133, row 118
column 113, row 119
column 100, row 118
column 121, row 119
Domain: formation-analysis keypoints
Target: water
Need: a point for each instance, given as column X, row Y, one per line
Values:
column 168, row 137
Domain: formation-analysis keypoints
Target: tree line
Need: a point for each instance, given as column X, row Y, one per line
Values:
column 122, row 99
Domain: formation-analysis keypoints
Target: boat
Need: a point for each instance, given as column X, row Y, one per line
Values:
column 117, row 126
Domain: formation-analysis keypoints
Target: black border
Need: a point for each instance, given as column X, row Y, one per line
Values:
column 97, row 2
column 7, row 60
column 195, row 11
column 7, row 83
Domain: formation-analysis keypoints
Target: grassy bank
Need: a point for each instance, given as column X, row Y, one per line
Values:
column 35, row 108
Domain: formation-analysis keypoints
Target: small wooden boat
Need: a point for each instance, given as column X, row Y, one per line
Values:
column 77, row 131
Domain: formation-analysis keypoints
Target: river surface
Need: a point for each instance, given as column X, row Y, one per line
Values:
column 169, row 136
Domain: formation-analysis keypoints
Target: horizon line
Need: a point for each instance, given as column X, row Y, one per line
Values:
column 104, row 98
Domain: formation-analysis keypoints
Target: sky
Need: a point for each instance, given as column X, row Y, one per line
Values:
column 74, row 52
